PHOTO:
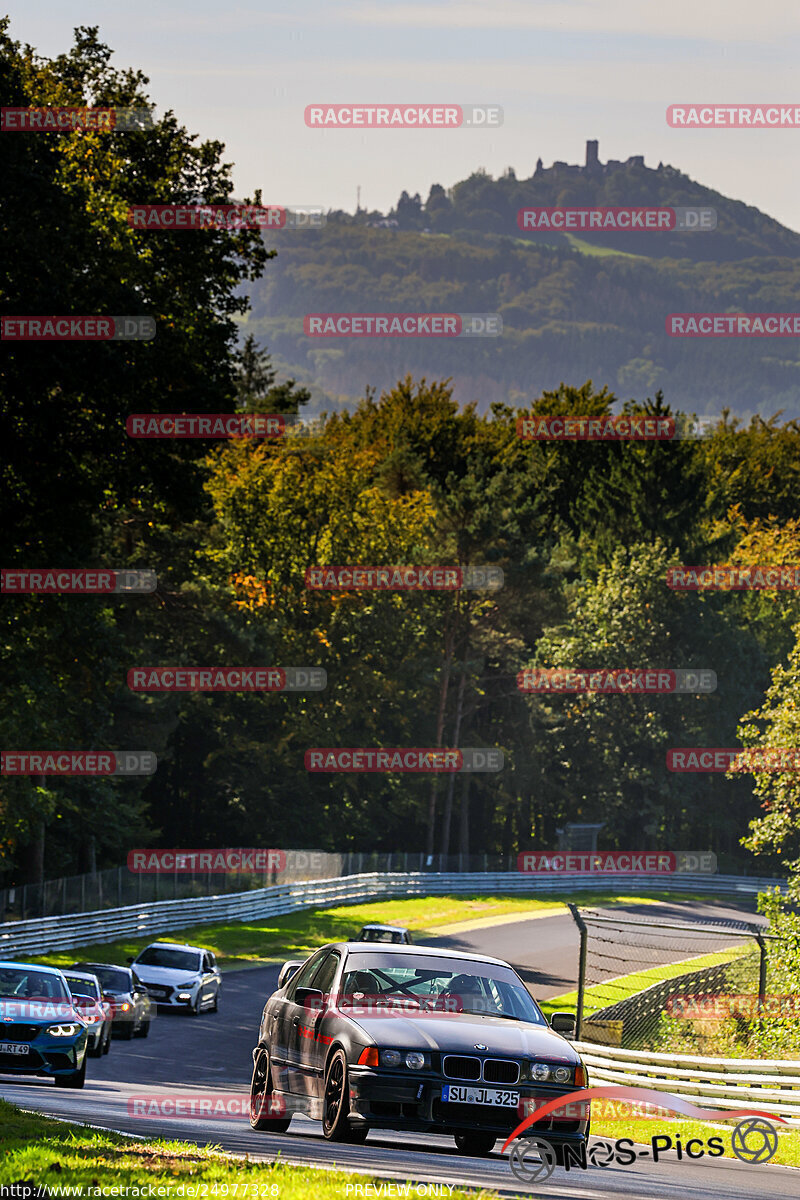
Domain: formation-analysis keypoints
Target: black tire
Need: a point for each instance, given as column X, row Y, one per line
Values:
column 475, row 1143
column 336, row 1104
column 75, row 1079
column 143, row 1029
column 194, row 1009
column 107, row 1043
column 215, row 1006
column 97, row 1049
column 126, row 1031
column 261, row 1092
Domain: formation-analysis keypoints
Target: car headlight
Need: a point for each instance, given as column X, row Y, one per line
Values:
column 413, row 1059
column 562, row 1074
column 189, row 982
column 540, row 1072
column 64, row 1030
column 416, row 1061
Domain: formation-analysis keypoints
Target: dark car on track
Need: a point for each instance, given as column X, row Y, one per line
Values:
column 41, row 1031
column 95, row 1012
column 370, row 1036
column 132, row 1008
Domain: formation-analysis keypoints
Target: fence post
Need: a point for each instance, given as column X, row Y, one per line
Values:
column 578, row 919
column 762, row 971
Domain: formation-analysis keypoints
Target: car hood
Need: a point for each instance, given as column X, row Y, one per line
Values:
column 461, row 1033
column 165, row 975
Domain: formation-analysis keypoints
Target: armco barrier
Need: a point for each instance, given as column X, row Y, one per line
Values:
column 144, row 921
column 769, row 1084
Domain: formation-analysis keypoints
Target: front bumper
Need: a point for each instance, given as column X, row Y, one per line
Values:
column 172, row 997
column 47, row 1056
column 391, row 1101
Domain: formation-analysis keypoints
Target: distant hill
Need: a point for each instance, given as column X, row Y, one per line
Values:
column 574, row 306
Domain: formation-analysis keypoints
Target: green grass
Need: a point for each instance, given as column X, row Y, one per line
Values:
column 787, row 1154
column 53, row 1153
column 295, row 935
column 604, row 994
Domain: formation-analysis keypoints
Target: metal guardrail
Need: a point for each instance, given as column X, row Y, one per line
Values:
column 769, row 1084
column 144, row 921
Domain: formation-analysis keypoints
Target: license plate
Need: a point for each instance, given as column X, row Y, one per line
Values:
column 467, row 1095
column 14, row 1048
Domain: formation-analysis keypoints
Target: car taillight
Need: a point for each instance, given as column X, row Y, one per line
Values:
column 369, row 1057
column 581, row 1078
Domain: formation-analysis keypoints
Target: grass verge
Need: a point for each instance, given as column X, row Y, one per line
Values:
column 295, row 935
column 640, row 1131
column 613, row 990
column 53, row 1154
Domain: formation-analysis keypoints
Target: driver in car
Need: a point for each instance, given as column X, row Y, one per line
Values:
column 464, row 993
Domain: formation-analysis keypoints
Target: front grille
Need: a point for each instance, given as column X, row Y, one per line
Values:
column 500, row 1070
column 160, row 993
column 457, row 1066
column 16, row 1032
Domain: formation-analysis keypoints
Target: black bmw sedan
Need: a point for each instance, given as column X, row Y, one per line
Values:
column 403, row 1037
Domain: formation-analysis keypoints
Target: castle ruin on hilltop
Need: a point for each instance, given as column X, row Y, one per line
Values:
column 593, row 166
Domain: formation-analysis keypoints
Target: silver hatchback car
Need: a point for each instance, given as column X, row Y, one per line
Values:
column 180, row 976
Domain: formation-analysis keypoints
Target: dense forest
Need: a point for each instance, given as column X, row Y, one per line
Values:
column 583, row 532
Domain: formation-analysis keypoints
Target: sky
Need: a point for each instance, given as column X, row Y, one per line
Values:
column 563, row 71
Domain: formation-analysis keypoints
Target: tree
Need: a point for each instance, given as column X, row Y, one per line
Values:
column 776, row 724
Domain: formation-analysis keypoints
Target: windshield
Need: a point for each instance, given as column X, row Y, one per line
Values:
column 427, row 984
column 82, row 987
column 178, row 960
column 113, row 979
column 381, row 935
column 28, row 984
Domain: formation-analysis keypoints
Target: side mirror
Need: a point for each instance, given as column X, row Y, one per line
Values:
column 130, row 959
column 311, row 998
column 286, row 972
column 563, row 1022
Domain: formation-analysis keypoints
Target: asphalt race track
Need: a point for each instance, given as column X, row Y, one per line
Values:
column 210, row 1056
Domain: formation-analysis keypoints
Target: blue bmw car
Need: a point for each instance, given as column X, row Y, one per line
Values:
column 41, row 1033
